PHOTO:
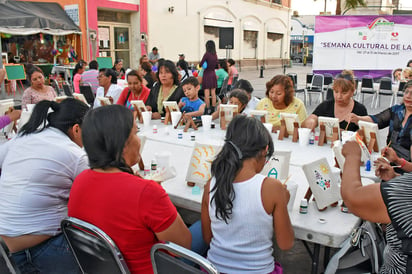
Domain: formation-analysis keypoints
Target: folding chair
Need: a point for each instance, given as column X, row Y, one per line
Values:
column 400, row 91
column 164, row 263
column 316, row 87
column 367, row 87
column 94, row 250
column 67, row 89
column 55, row 85
column 385, row 89
column 294, row 78
column 7, row 265
column 224, row 89
column 86, row 90
column 327, row 83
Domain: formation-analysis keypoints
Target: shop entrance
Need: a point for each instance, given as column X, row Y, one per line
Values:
column 114, row 38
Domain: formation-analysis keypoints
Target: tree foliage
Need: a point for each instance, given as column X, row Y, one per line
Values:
column 349, row 4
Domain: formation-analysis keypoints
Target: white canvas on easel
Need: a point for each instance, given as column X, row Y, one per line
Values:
column 80, row 97
column 259, row 113
column 104, row 101
column 322, row 182
column 138, row 104
column 289, row 118
column 367, row 129
column 201, row 162
column 329, row 123
column 171, row 105
column 229, row 111
column 278, row 165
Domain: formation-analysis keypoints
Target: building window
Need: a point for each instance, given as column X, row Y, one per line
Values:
column 113, row 16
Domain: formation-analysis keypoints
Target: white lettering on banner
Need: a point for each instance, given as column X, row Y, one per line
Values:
column 366, row 43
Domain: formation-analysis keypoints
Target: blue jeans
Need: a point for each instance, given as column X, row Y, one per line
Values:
column 51, row 256
column 198, row 244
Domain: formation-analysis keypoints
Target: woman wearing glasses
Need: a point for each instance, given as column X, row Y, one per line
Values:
column 242, row 209
column 342, row 106
column 399, row 120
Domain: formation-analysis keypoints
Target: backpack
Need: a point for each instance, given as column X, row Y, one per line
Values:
column 362, row 252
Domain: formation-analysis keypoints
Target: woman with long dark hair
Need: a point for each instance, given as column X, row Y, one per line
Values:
column 37, row 91
column 242, row 209
column 136, row 213
column 38, row 169
column 209, row 81
column 135, row 90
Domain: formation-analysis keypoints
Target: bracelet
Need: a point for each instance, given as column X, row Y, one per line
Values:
column 403, row 163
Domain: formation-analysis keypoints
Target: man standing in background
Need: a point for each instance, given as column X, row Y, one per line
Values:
column 90, row 76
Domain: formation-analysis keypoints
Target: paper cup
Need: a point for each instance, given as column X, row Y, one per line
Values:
column 293, row 188
column 175, row 117
column 163, row 159
column 206, row 122
column 30, row 107
column 268, row 126
column 147, row 117
column 304, row 134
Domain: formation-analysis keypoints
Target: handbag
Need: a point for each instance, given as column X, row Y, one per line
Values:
column 361, row 252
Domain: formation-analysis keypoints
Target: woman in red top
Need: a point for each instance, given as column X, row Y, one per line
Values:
column 135, row 90
column 136, row 213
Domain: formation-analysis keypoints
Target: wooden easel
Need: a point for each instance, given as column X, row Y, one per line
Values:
column 295, row 136
column 309, row 196
column 262, row 118
column 168, row 116
column 189, row 123
column 335, row 135
column 139, row 112
column 283, row 132
column 322, row 135
column 373, row 143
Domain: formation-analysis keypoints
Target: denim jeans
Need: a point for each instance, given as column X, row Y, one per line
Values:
column 51, row 256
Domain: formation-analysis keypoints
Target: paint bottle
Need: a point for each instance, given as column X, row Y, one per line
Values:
column 193, row 137
column 153, row 165
column 154, row 129
column 368, row 165
column 303, row 209
column 146, row 171
column 311, row 138
column 180, row 134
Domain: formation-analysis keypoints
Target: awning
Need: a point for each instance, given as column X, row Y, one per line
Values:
column 26, row 18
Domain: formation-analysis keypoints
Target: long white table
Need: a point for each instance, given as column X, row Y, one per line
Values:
column 327, row 228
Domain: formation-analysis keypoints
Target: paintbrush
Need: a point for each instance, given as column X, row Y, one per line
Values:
column 287, row 179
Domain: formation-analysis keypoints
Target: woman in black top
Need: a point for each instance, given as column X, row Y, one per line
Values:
column 341, row 106
column 166, row 89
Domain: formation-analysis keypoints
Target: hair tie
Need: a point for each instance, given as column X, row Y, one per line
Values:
column 239, row 153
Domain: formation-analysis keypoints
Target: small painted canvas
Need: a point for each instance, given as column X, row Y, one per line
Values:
column 329, row 123
column 58, row 99
column 201, row 162
column 229, row 110
column 278, row 165
column 368, row 128
column 258, row 113
column 80, row 97
column 104, row 101
column 322, row 182
column 171, row 105
column 289, row 118
column 138, row 104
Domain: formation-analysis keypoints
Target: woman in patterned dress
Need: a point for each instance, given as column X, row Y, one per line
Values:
column 38, row 91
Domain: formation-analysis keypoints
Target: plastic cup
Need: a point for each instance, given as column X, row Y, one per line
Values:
column 293, row 188
column 206, row 122
column 30, row 107
column 268, row 126
column 163, row 159
column 147, row 117
column 304, row 134
column 175, row 117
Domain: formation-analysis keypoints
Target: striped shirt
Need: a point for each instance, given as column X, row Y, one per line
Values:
column 397, row 195
column 90, row 77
